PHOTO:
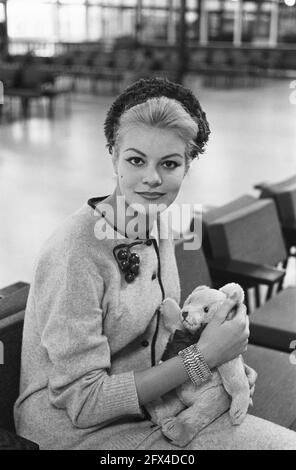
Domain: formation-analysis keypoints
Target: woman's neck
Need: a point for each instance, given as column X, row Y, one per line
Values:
column 127, row 220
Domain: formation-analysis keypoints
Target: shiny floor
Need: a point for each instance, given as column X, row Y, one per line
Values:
column 49, row 168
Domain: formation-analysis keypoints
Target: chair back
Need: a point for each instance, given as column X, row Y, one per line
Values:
column 8, row 75
column 192, row 268
column 284, row 196
column 212, row 214
column 252, row 234
column 33, row 77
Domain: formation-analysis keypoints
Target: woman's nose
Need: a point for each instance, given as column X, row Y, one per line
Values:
column 152, row 177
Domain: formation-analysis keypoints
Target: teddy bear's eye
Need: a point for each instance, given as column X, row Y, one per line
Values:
column 206, row 309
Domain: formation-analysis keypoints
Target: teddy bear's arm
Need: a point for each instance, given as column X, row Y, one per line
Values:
column 170, row 313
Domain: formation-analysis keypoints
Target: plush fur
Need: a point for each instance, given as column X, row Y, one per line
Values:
column 184, row 412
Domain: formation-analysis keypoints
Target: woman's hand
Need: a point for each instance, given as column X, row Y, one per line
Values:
column 222, row 341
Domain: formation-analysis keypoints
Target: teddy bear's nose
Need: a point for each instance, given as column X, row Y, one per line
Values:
column 184, row 315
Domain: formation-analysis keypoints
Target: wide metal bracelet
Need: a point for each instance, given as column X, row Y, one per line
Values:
column 195, row 365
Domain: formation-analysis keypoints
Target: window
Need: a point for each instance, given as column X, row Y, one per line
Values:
column 72, row 22
column 26, row 19
column 287, row 24
column 256, row 21
column 2, row 13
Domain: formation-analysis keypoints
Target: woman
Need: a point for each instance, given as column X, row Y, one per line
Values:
column 93, row 333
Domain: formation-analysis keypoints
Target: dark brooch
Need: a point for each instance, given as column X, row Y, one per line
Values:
column 128, row 261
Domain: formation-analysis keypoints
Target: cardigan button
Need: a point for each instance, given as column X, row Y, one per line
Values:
column 153, row 276
column 145, row 343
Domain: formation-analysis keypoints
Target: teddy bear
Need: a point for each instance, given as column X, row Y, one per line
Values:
column 182, row 413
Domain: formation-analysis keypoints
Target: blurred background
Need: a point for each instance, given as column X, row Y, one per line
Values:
column 62, row 62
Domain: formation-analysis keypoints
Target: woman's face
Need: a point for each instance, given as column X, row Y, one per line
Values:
column 150, row 166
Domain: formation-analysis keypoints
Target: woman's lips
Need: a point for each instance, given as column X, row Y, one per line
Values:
column 151, row 195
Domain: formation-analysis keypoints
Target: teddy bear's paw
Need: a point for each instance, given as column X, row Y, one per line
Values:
column 236, row 417
column 177, row 432
column 170, row 313
column 238, row 411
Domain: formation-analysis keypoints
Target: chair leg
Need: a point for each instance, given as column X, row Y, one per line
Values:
column 51, row 107
column 25, row 107
column 247, row 303
column 269, row 292
column 280, row 285
column 257, row 295
column 285, row 263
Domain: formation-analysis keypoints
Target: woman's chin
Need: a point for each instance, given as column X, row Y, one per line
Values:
column 148, row 207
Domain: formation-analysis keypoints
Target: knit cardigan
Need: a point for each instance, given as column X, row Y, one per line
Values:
column 86, row 332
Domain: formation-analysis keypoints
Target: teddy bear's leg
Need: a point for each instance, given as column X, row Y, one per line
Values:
column 236, row 384
column 163, row 407
column 209, row 405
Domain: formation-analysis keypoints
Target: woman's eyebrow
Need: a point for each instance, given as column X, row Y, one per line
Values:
column 173, row 155
column 136, row 150
column 162, row 158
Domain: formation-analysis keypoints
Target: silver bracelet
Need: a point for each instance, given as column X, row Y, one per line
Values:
column 195, row 365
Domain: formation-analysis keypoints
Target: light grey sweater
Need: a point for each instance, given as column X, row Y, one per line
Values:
column 86, row 331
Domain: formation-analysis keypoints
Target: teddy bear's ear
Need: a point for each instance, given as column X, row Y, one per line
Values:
column 234, row 291
column 199, row 288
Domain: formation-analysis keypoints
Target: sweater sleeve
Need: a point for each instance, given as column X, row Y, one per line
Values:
column 68, row 292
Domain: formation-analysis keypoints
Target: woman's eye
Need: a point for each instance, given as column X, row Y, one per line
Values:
column 136, row 161
column 206, row 309
column 170, row 165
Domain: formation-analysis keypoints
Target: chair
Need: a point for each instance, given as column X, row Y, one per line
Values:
column 252, row 236
column 275, row 392
column 12, row 303
column 35, row 83
column 249, row 274
column 284, row 196
column 213, row 213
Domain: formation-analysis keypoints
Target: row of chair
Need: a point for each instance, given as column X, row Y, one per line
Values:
column 30, row 83
column 101, row 66
column 245, row 241
column 265, row 59
column 253, row 235
column 275, row 392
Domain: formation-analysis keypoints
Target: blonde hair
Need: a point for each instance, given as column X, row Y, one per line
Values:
column 163, row 113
